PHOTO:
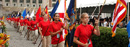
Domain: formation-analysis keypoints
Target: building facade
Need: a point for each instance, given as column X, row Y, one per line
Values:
column 1, row 8
column 8, row 6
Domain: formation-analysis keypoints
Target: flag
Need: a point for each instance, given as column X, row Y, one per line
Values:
column 8, row 16
column 32, row 14
column 128, row 31
column 24, row 13
column 28, row 14
column 70, row 7
column 12, row 16
column 46, row 11
column 119, row 14
column 72, row 20
column 71, row 11
column 60, row 9
column 17, row 14
column 38, row 13
column 3, row 17
column 71, row 29
column 54, row 9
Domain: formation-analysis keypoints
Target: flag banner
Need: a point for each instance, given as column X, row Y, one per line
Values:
column 38, row 13
column 71, row 11
column 119, row 14
column 24, row 13
column 32, row 14
column 17, row 14
column 3, row 17
column 54, row 9
column 28, row 15
column 46, row 11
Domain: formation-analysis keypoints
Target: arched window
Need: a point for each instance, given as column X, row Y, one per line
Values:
column 6, row 4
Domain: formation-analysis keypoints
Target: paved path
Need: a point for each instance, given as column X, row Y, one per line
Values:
column 16, row 40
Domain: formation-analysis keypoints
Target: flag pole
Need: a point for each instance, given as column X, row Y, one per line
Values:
column 80, row 9
column 75, row 9
column 101, row 9
column 94, row 11
column 100, row 13
column 128, row 13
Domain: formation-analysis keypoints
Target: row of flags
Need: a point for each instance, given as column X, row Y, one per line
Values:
column 38, row 13
column 63, row 12
column 32, row 14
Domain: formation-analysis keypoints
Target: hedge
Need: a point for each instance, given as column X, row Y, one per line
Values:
column 106, row 40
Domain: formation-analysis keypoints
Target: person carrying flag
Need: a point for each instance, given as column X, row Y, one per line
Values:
column 25, row 24
column 44, row 32
column 21, row 25
column 84, row 32
column 29, row 29
column 34, row 27
column 10, row 19
column 41, row 18
column 13, row 21
column 56, row 29
column 17, row 21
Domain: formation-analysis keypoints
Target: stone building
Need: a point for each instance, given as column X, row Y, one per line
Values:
column 8, row 6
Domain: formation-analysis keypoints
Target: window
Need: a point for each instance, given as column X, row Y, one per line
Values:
column 54, row 0
column 7, row 0
column 40, row 1
column 27, row 5
column 27, row 1
column 53, row 4
column 14, row 0
column 21, row 5
column 6, row 4
column 33, row 5
column 21, row 1
column 34, row 1
column 14, row 4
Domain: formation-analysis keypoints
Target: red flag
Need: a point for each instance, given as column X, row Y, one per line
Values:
column 46, row 11
column 38, row 13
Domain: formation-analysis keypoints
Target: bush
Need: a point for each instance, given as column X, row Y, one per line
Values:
column 106, row 40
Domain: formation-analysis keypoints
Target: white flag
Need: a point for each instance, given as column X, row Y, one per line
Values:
column 32, row 14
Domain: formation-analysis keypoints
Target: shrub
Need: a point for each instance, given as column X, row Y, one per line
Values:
column 106, row 39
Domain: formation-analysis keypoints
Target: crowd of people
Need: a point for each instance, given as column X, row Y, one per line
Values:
column 51, row 30
column 105, row 22
column 46, row 28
